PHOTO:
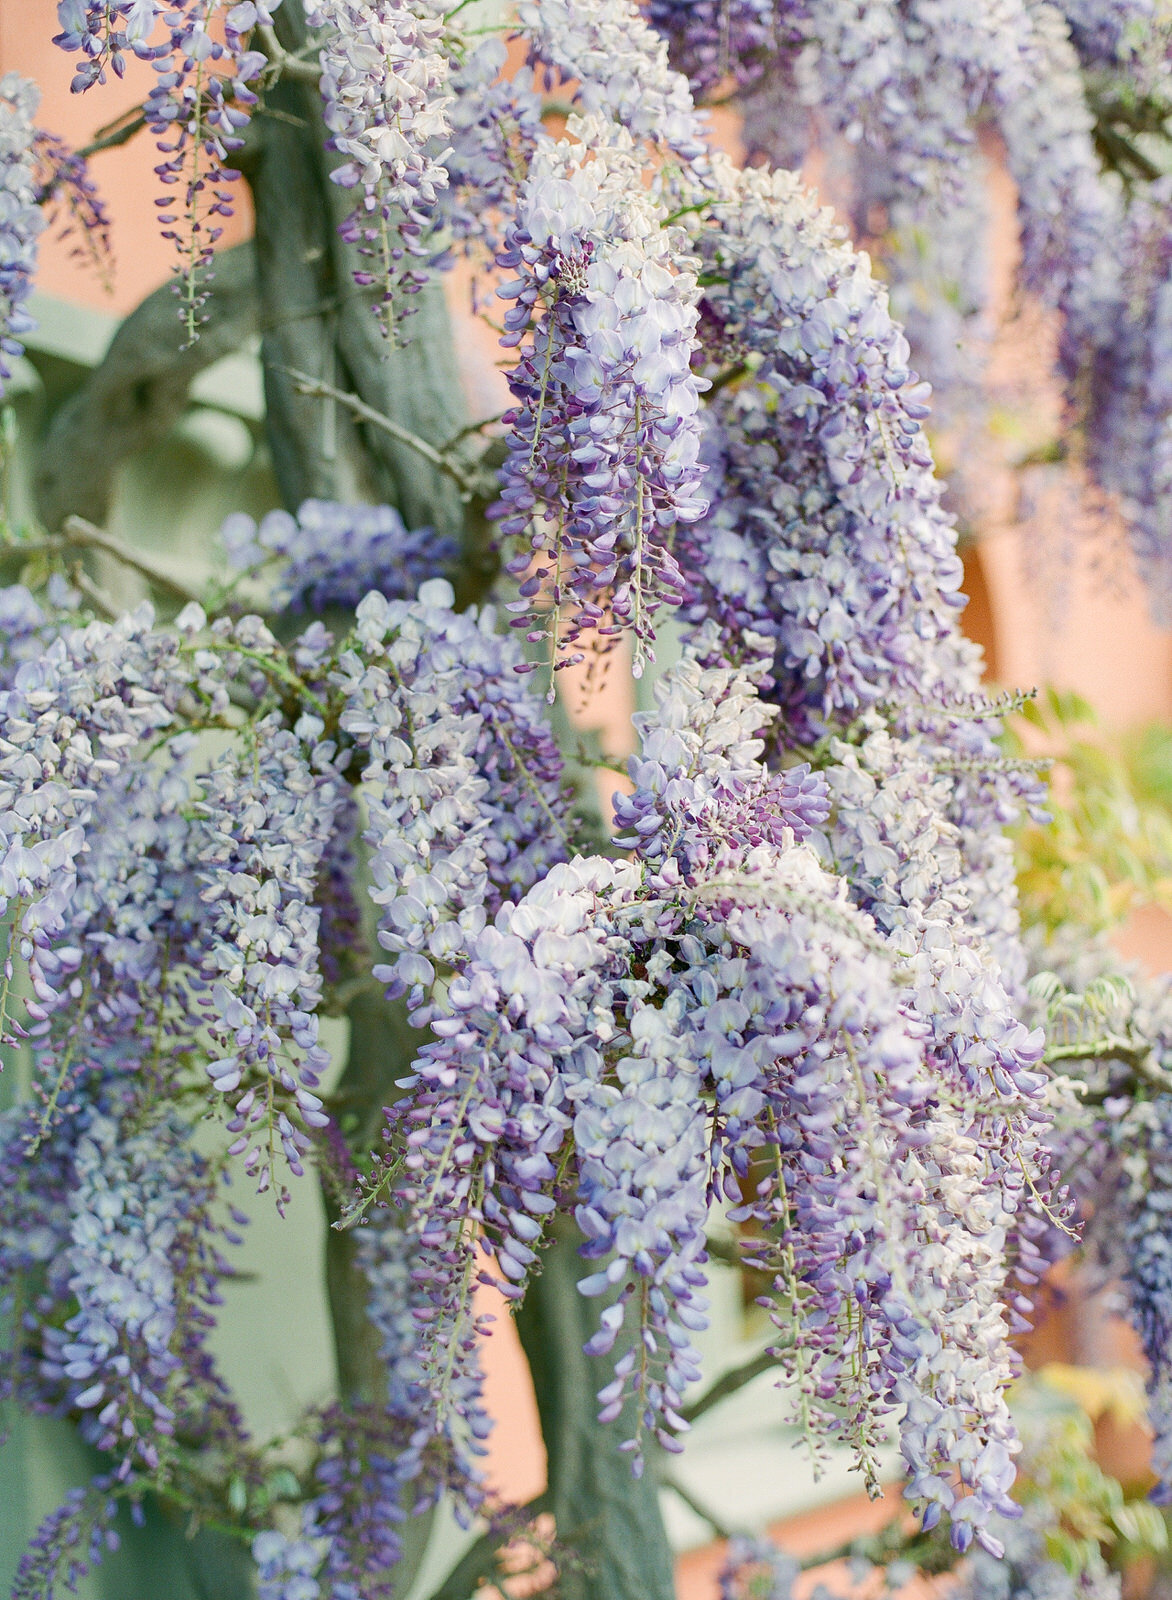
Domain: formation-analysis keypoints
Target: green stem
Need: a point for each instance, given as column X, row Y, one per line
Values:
column 732, row 1382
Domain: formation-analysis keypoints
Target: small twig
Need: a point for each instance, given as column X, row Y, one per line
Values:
column 473, row 427
column 280, row 116
column 283, row 64
column 1121, row 152
column 471, row 484
column 78, row 532
column 1111, row 1047
column 102, row 603
column 114, row 134
column 479, row 1562
column 731, row 1382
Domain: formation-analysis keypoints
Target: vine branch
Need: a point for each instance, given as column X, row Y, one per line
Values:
column 471, row 483
column 78, row 534
column 730, row 1383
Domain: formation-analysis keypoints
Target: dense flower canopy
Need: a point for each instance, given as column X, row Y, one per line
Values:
column 790, row 989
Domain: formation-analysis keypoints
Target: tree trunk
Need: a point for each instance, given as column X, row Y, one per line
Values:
column 609, row 1519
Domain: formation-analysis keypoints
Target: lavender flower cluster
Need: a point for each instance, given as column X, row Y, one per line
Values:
column 711, row 41
column 619, row 68
column 377, row 1463
column 891, row 95
column 331, row 554
column 198, row 116
column 462, row 783
column 198, row 109
column 65, row 185
column 822, row 495
column 267, row 814
column 495, row 129
column 168, row 914
column 137, row 1231
column 604, row 444
column 105, row 32
column 1107, row 33
column 1128, row 1151
column 111, row 1259
column 664, row 1015
column 21, row 219
column 72, row 721
column 384, row 74
column 903, row 80
column 1129, row 425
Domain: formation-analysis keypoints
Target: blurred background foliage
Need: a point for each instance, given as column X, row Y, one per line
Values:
column 1107, row 849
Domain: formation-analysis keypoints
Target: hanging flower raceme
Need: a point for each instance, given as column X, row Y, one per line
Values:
column 826, row 533
column 1112, row 33
column 1147, row 1258
column 21, row 219
column 105, row 32
column 198, row 110
column 618, row 67
column 117, row 967
column 113, row 1252
column 75, row 205
column 378, row 1462
column 1069, row 213
column 139, row 1263
column 73, row 720
column 495, row 129
column 901, row 81
column 1125, row 1151
column 462, row 781
column 714, row 1017
column 824, row 454
column 604, row 444
column 25, row 630
column 1128, row 387
column 825, row 530
column 384, row 76
column 267, row 812
column 711, row 41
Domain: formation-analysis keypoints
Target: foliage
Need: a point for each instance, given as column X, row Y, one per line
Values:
column 1107, row 848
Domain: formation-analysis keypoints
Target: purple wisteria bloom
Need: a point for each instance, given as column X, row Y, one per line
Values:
column 266, row 815
column 619, row 68
column 462, row 781
column 604, row 444
column 688, row 1080
column 384, row 75
column 104, row 33
column 331, row 554
column 21, row 219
